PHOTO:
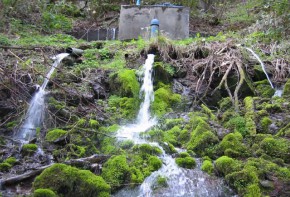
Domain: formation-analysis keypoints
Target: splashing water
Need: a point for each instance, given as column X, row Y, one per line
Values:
column 181, row 182
column 262, row 65
column 144, row 120
column 35, row 113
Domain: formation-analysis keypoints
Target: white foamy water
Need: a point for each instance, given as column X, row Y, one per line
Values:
column 35, row 113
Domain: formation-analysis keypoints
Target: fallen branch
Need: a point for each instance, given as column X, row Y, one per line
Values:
column 22, row 177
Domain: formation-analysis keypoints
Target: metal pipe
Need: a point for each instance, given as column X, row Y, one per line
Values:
column 138, row 2
column 154, row 28
column 75, row 51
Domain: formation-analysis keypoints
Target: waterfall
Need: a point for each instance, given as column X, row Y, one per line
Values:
column 181, row 182
column 35, row 113
column 262, row 65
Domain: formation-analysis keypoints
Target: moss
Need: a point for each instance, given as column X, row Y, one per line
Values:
column 273, row 108
column 264, row 89
column 202, row 138
column 170, row 123
column 183, row 155
column 123, row 107
column 162, row 181
column 286, row 90
column 225, row 103
column 127, row 144
column 147, row 149
column 11, row 125
column 4, row 167
column 94, row 123
column 136, row 175
column 116, row 171
column 250, row 115
column 125, row 83
column 241, row 180
column 226, row 165
column 207, row 167
column 154, row 163
column 68, row 181
column 171, row 136
column 232, row 145
column 29, row 148
column 276, row 148
column 44, row 193
column 164, row 100
column 207, row 111
column 253, row 191
column 237, row 123
column 186, row 162
column 55, row 134
column 10, row 160
column 265, row 123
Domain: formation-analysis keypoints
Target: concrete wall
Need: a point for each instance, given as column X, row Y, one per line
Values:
column 174, row 21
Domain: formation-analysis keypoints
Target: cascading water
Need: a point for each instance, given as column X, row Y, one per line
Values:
column 262, row 65
column 35, row 113
column 181, row 182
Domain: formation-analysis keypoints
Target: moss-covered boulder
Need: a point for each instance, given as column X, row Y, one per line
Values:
column 232, row 146
column 237, row 123
column 125, row 83
column 185, row 161
column 207, row 167
column 67, row 181
column 226, row 165
column 29, row 148
column 4, row 167
column 55, row 134
column 116, row 171
column 276, row 147
column 164, row 100
column 241, row 180
column 202, row 138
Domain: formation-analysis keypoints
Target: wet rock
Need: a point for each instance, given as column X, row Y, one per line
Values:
column 100, row 84
column 267, row 184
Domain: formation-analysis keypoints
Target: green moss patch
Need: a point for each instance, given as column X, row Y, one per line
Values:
column 68, row 181
column 55, row 134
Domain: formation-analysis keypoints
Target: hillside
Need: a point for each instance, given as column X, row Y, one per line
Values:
column 114, row 120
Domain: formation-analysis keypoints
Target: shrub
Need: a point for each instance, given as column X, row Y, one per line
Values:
column 68, row 181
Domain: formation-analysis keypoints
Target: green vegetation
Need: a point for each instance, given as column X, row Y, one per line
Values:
column 55, row 134
column 207, row 167
column 70, row 181
column 29, row 148
column 44, row 193
column 185, row 161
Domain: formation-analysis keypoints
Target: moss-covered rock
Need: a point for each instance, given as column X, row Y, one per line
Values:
column 250, row 115
column 164, row 100
column 265, row 123
column 125, row 83
column 286, row 90
column 237, row 123
column 241, row 180
column 276, row 147
column 55, row 134
column 202, row 138
column 225, row 103
column 207, row 167
column 187, row 162
column 116, row 171
column 226, row 165
column 4, row 167
column 29, row 148
column 44, row 193
column 232, row 145
column 147, row 149
column 172, row 136
column 264, row 89
column 10, row 160
column 68, row 181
